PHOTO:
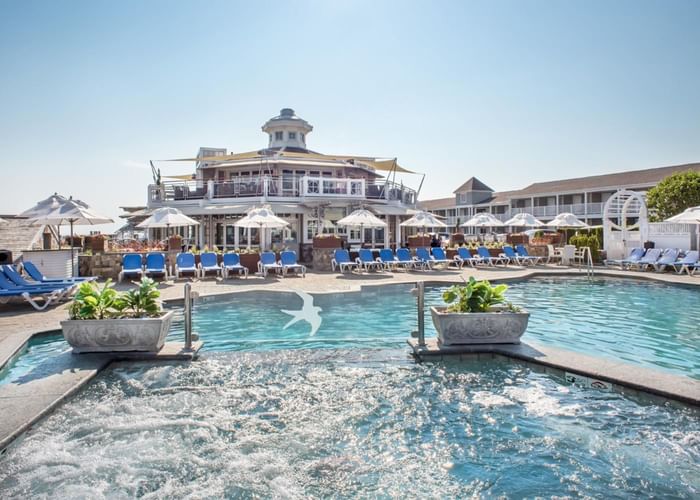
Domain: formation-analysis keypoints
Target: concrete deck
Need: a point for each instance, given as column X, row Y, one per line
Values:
column 623, row 375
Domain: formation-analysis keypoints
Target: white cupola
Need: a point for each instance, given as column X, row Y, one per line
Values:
column 287, row 130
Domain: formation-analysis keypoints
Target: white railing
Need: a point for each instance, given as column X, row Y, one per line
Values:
column 332, row 186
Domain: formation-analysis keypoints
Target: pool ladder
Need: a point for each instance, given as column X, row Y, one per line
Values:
column 587, row 261
column 189, row 302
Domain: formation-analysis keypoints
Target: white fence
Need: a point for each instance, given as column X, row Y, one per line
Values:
column 663, row 234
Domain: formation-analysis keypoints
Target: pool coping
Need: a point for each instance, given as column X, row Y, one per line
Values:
column 625, row 375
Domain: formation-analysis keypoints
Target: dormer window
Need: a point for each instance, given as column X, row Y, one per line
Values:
column 292, row 136
column 279, row 136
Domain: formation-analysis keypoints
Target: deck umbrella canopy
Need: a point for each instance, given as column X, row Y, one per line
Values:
column 689, row 216
column 362, row 218
column 483, row 219
column 523, row 220
column 423, row 220
column 567, row 220
column 167, row 217
column 74, row 213
column 45, row 207
column 261, row 218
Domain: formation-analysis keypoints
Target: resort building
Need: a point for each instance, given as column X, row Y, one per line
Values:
column 585, row 197
column 309, row 190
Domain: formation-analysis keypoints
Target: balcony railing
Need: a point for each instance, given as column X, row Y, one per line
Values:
column 281, row 186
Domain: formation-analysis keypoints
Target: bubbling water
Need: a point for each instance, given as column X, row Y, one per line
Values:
column 345, row 423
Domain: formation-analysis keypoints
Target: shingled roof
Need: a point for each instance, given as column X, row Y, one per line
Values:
column 628, row 179
column 437, row 204
column 18, row 235
column 473, row 184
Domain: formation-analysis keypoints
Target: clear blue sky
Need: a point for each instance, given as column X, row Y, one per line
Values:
column 512, row 92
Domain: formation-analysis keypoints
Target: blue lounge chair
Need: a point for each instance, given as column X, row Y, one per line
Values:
column 649, row 259
column 288, row 259
column 464, row 256
column 232, row 263
column 423, row 256
column 689, row 263
column 155, row 265
column 366, row 261
column 341, row 260
column 404, row 259
column 35, row 274
column 668, row 258
column 510, row 254
column 488, row 258
column 268, row 262
column 440, row 258
column 13, row 280
column 208, row 262
column 634, row 256
column 47, row 293
column 131, row 266
column 184, row 263
column 524, row 255
column 387, row 259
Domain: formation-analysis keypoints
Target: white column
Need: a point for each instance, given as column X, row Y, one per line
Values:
column 398, row 231
column 386, row 232
column 236, row 237
column 247, row 232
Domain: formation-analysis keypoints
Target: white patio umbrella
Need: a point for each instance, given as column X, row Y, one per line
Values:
column 325, row 224
column 167, row 217
column 424, row 220
column 74, row 213
column 361, row 218
column 261, row 218
column 524, row 219
column 44, row 208
column 689, row 216
column 566, row 220
column 483, row 219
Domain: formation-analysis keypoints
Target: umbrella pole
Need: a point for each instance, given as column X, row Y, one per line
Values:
column 72, row 260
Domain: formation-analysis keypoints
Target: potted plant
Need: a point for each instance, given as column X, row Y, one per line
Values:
column 478, row 313
column 104, row 320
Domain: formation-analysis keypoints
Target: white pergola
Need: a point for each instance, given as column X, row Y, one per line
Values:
column 619, row 233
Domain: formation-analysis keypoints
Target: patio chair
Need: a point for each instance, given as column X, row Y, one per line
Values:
column 524, row 255
column 185, row 263
column 552, row 253
column 35, row 274
column 366, row 261
column 423, row 256
column 489, row 259
column 404, row 259
column 48, row 293
column 209, row 262
column 464, row 256
column 155, row 265
column 689, row 263
column 13, row 280
column 668, row 258
column 288, row 259
column 341, row 260
column 440, row 257
column 131, row 266
column 268, row 262
column 649, row 258
column 635, row 254
column 232, row 263
column 387, row 259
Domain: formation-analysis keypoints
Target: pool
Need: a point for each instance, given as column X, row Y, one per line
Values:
column 640, row 322
column 348, row 423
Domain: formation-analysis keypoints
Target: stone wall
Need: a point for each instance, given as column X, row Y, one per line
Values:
column 322, row 258
column 102, row 265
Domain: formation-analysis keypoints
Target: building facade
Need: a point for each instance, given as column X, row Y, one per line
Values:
column 306, row 188
column 585, row 197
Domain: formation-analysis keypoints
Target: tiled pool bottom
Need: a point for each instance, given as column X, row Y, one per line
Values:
column 345, row 423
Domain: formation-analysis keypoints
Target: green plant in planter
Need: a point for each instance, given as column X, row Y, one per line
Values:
column 141, row 301
column 475, row 296
column 95, row 302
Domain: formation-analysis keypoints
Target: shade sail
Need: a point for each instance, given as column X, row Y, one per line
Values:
column 689, row 216
column 167, row 217
column 565, row 220
column 524, row 219
column 423, row 219
column 361, row 218
column 483, row 220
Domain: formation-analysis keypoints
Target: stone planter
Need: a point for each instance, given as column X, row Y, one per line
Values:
column 498, row 327
column 327, row 242
column 250, row 260
column 117, row 335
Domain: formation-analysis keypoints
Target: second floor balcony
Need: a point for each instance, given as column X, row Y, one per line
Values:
column 287, row 188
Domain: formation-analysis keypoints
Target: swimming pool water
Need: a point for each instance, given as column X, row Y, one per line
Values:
column 350, row 423
column 639, row 322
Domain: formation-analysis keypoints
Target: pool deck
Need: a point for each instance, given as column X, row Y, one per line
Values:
column 27, row 401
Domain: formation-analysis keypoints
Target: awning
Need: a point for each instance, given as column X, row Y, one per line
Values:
column 181, row 177
column 391, row 210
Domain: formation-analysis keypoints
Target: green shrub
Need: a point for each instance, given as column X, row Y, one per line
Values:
column 475, row 296
column 103, row 302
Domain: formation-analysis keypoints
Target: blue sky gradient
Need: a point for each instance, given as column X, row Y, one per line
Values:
column 512, row 92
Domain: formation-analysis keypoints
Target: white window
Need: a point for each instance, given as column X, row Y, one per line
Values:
column 279, row 136
column 292, row 135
